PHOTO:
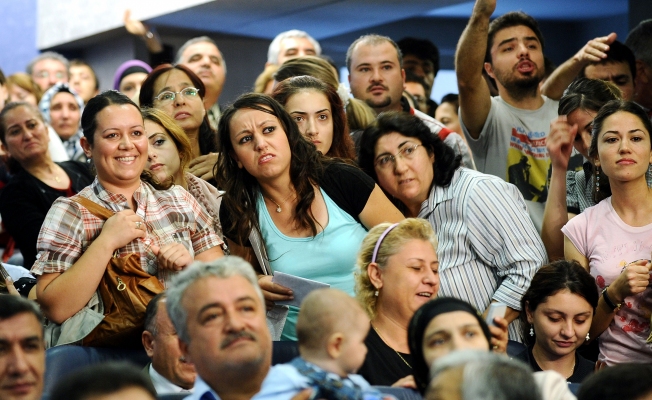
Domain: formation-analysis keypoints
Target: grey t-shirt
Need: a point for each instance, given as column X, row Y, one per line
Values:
column 512, row 146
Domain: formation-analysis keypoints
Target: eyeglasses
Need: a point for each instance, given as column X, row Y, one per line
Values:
column 46, row 74
column 168, row 97
column 389, row 161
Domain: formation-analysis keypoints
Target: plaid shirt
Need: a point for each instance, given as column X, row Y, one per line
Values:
column 170, row 216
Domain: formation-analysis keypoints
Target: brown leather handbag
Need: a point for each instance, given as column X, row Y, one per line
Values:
column 125, row 290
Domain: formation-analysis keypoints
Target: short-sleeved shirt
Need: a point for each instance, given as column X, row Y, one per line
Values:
column 170, row 216
column 512, row 146
column 610, row 244
column 579, row 189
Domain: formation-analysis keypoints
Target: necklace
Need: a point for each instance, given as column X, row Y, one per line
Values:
column 572, row 369
column 397, row 353
column 278, row 207
column 56, row 176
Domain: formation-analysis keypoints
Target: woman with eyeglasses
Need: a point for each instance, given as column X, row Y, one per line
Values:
column 178, row 92
column 488, row 247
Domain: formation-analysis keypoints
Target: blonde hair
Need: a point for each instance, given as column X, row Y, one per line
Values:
column 174, row 131
column 324, row 312
column 264, row 78
column 25, row 82
column 407, row 230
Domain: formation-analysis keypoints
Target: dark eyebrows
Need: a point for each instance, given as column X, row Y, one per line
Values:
column 527, row 38
column 630, row 131
column 387, row 152
column 506, row 41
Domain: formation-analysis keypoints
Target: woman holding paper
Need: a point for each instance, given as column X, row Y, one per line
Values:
column 310, row 211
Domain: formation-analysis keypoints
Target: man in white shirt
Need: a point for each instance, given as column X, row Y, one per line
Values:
column 169, row 370
column 218, row 311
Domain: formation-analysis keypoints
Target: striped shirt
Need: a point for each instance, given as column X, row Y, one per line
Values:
column 170, row 216
column 488, row 248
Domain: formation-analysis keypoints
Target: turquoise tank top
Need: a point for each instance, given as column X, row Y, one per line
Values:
column 328, row 257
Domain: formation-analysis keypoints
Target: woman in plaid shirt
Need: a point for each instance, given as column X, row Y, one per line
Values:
column 166, row 227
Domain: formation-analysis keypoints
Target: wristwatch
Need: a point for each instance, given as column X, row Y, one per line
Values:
column 608, row 301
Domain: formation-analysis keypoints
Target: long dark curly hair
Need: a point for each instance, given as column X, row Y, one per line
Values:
column 242, row 189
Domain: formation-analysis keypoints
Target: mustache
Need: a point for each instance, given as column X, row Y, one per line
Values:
column 376, row 85
column 232, row 337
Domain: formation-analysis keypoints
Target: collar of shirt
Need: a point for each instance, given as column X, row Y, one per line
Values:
column 202, row 391
column 118, row 202
column 164, row 386
column 437, row 195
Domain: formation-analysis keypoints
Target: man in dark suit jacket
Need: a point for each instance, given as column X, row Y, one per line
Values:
column 169, row 370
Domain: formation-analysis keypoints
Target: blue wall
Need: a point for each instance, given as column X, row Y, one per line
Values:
column 18, row 34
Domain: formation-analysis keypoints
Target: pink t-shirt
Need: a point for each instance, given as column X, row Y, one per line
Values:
column 609, row 244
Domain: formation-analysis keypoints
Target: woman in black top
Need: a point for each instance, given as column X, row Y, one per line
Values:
column 398, row 274
column 37, row 181
column 277, row 183
column 558, row 310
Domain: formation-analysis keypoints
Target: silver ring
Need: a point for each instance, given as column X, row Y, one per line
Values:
column 138, row 223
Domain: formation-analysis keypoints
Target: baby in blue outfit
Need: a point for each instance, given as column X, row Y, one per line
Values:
column 331, row 328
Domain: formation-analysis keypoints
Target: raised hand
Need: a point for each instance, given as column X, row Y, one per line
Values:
column 560, row 141
column 135, row 27
column 595, row 50
column 484, row 7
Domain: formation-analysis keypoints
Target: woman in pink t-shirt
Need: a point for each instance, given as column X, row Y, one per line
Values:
column 613, row 239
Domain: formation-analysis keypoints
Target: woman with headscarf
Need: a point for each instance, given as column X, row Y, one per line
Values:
column 62, row 108
column 445, row 325
column 129, row 77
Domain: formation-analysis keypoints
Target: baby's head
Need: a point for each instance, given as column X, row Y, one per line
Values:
column 331, row 329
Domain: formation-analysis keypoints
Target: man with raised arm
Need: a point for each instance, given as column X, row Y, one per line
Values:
column 506, row 133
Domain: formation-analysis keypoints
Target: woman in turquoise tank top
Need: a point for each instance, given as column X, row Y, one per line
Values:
column 311, row 212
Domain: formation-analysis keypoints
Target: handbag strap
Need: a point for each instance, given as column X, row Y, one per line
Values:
column 94, row 208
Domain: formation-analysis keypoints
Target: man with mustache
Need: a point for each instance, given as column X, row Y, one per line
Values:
column 502, row 130
column 22, row 349
column 169, row 371
column 377, row 77
column 218, row 311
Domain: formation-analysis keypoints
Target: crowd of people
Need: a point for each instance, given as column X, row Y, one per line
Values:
column 494, row 242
